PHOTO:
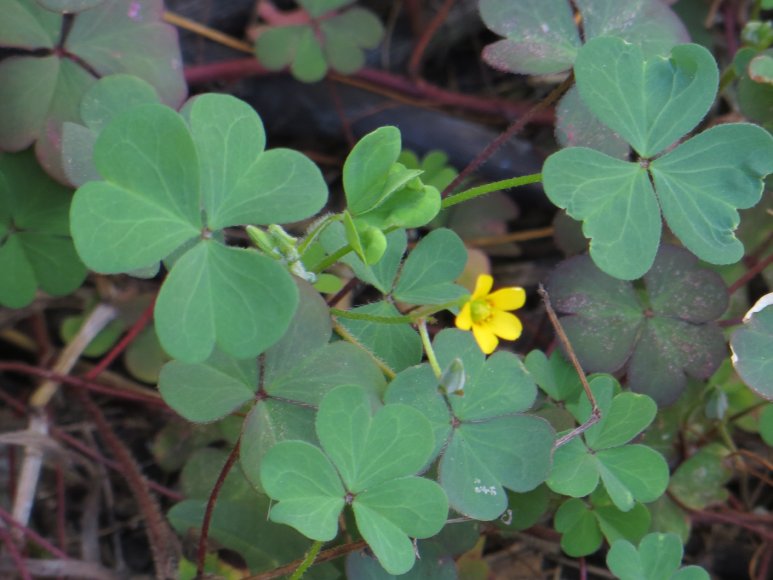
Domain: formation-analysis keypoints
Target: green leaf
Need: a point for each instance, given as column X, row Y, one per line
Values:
column 616, row 203
column 304, row 482
column 576, row 126
column 554, row 375
column 751, row 352
column 388, row 513
column 426, row 277
column 491, row 445
column 663, row 338
column 346, row 35
column 700, row 481
column 575, row 470
column 45, row 91
column 144, row 357
column 367, row 166
column 35, row 246
column 398, row 345
column 317, row 8
column 206, row 392
column 627, row 416
column 435, row 563
column 235, row 298
column 632, row 472
column 652, row 26
column 158, row 192
column 651, row 103
column 581, row 534
column 295, row 374
column 375, row 455
column 702, row 182
column 766, row 424
column 541, row 35
column 68, row 6
column 242, row 184
column 658, row 557
column 106, row 98
column 371, row 449
column 276, row 46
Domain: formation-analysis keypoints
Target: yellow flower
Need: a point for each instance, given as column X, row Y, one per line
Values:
column 486, row 314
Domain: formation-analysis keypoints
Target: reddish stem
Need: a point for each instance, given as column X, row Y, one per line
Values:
column 275, row 17
column 510, row 132
column 339, row 107
column 381, row 82
column 33, row 536
column 201, row 553
column 414, row 65
column 127, row 339
column 13, row 550
column 80, row 383
column 750, row 274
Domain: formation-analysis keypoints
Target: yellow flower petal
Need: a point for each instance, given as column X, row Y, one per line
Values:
column 508, row 298
column 504, row 325
column 485, row 338
column 482, row 286
column 464, row 319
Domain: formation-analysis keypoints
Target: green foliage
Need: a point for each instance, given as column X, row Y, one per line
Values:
column 159, row 169
column 584, row 527
column 662, row 332
column 36, row 250
column 630, row 472
column 752, row 357
column 700, row 481
column 106, row 98
column 382, row 194
column 41, row 90
column 657, row 558
column 485, row 443
column 541, row 37
column 369, row 461
column 336, row 37
column 238, row 517
column 697, row 186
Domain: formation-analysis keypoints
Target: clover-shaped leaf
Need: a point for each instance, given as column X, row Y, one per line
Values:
column 751, row 348
column 35, row 246
column 630, row 472
column 382, row 194
column 159, row 173
column 368, row 460
column 335, row 37
column 663, row 336
column 542, row 37
column 106, row 98
column 584, row 526
column 658, row 557
column 487, row 443
column 42, row 87
column 296, row 372
column 700, row 481
column 698, row 186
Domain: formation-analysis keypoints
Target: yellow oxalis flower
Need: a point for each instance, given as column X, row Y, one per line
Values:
column 485, row 313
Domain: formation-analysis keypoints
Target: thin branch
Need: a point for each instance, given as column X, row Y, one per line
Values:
column 595, row 415
column 324, row 556
column 414, row 65
column 201, row 551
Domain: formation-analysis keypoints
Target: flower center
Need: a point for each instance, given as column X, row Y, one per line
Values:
column 480, row 310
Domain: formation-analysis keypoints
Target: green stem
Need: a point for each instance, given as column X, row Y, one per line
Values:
column 349, row 337
column 728, row 76
column 427, row 343
column 325, row 263
column 411, row 318
column 311, row 555
column 316, row 230
column 474, row 192
column 372, row 317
